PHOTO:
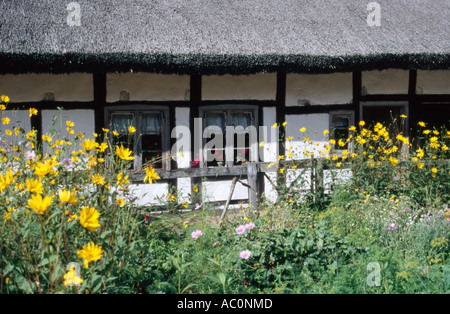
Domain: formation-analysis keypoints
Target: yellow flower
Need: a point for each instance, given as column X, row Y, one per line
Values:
column 116, row 134
column 185, row 204
column 261, row 144
column 42, row 169
column 302, row 130
column 71, row 278
column 8, row 214
column 6, row 120
column 420, row 165
column 151, row 175
column 195, row 188
column 120, row 201
column 121, row 180
column 433, row 172
column 70, row 124
column 46, row 138
column 274, row 125
column 34, row 186
column 403, row 116
column 98, row 179
column 131, row 129
column 8, row 132
column 39, row 204
column 33, row 112
column 362, row 123
column 89, row 218
column 68, row 196
column 72, row 217
column 422, row 124
column 4, row 98
column 105, row 130
column 89, row 144
column 426, row 132
column 103, row 146
column 90, row 253
column 124, row 153
column 284, row 123
column 325, row 132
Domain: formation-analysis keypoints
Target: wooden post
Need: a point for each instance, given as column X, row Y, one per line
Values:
column 252, row 177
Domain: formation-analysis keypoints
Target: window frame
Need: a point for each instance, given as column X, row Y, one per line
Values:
column 404, row 109
column 228, row 110
column 137, row 111
column 336, row 113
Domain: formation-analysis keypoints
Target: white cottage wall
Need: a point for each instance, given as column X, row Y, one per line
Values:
column 39, row 87
column 318, row 89
column 147, row 87
column 433, row 82
column 391, row 81
column 250, row 87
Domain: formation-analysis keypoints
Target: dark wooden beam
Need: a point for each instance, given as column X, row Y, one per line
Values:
column 99, row 100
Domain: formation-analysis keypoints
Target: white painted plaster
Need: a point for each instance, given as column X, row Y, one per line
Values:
column 33, row 87
column 312, row 140
column 260, row 86
column 318, row 89
column 149, row 194
column 433, row 82
column 220, row 190
column 147, row 86
column 391, row 81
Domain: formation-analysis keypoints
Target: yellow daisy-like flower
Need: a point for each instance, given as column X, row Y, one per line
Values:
column 71, row 278
column 70, row 124
column 8, row 214
column 131, row 129
column 90, row 253
column 6, row 120
column 4, row 98
column 67, row 196
column 124, row 153
column 33, row 112
column 42, row 169
column 195, row 188
column 98, row 179
column 151, row 175
column 121, row 180
column 89, row 144
column 120, row 201
column 185, row 204
column 34, row 186
column 89, row 218
column 39, row 204
column 422, row 124
column 302, row 130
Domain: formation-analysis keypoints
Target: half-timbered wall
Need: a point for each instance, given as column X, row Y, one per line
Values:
column 300, row 100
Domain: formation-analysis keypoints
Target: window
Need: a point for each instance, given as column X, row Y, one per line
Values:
column 150, row 142
column 218, row 145
column 387, row 113
column 340, row 122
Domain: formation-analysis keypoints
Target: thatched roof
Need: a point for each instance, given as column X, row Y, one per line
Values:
column 223, row 36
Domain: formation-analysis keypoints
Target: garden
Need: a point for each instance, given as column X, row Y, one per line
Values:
column 69, row 223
